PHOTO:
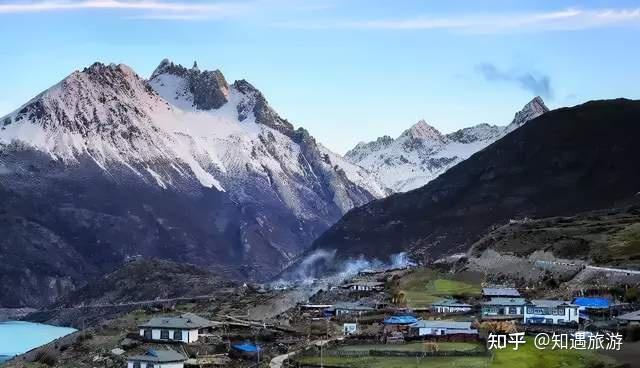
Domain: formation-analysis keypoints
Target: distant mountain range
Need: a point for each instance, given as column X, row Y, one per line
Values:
column 563, row 162
column 421, row 153
column 106, row 165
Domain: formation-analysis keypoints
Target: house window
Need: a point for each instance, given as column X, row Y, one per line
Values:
column 164, row 334
column 177, row 335
column 149, row 365
column 513, row 310
column 136, row 364
column 147, row 334
column 560, row 321
column 548, row 321
column 530, row 310
column 538, row 311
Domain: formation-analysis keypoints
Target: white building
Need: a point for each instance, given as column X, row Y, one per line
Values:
column 556, row 312
column 185, row 328
column 347, row 308
column 365, row 286
column 450, row 306
column 441, row 328
column 349, row 328
column 157, row 359
column 503, row 308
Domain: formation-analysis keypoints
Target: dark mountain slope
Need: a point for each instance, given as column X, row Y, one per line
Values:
column 144, row 280
column 563, row 162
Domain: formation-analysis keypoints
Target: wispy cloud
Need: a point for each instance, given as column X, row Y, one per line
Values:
column 538, row 84
column 566, row 19
column 151, row 9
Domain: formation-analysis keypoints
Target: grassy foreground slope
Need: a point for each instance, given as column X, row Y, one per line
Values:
column 424, row 286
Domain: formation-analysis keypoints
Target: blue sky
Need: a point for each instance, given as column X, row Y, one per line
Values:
column 347, row 70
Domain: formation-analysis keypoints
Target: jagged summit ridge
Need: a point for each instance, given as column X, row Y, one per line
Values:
column 110, row 114
column 531, row 110
column 190, row 88
column 421, row 153
column 422, row 130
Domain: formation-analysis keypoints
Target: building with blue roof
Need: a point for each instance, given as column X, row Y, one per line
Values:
column 245, row 350
column 400, row 320
column 398, row 323
column 592, row 303
column 247, row 347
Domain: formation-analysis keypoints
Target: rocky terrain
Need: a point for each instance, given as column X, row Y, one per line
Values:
column 605, row 237
column 564, row 162
column 421, row 153
column 105, row 166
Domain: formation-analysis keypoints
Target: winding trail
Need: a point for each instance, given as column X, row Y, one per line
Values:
column 277, row 362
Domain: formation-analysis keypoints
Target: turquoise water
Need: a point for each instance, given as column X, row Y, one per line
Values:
column 18, row 337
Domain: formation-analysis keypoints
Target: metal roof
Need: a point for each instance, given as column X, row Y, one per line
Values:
column 633, row 316
column 592, row 303
column 450, row 303
column 548, row 303
column 505, row 301
column 400, row 320
column 247, row 347
column 492, row 291
column 453, row 325
column 316, row 306
column 159, row 356
column 365, row 283
column 186, row 321
column 352, row 306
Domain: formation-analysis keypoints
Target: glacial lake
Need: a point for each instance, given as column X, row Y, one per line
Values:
column 17, row 337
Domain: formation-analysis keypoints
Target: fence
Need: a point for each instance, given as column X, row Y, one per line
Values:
column 396, row 353
column 385, row 354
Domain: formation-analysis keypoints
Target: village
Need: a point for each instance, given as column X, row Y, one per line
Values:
column 409, row 317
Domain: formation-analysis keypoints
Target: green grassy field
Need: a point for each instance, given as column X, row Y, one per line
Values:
column 375, row 362
column 424, row 286
column 413, row 346
column 527, row 356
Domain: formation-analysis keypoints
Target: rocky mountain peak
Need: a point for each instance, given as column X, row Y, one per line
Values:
column 256, row 104
column 203, row 90
column 364, row 149
column 106, row 76
column 480, row 132
column 167, row 66
column 531, row 110
column 422, row 131
column 99, row 98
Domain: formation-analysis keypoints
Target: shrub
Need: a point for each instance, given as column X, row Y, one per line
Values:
column 46, row 357
column 84, row 336
column 632, row 295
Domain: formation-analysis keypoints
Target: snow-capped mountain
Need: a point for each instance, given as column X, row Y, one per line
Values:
column 185, row 166
column 422, row 153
